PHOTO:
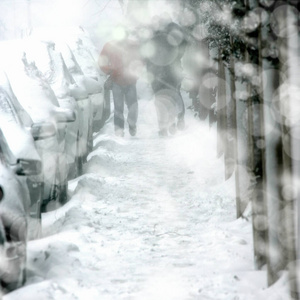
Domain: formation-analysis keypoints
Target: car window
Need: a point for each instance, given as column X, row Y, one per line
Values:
column 6, row 153
column 6, row 110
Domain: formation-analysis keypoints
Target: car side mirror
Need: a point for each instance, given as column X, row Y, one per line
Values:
column 41, row 131
column 64, row 115
column 27, row 167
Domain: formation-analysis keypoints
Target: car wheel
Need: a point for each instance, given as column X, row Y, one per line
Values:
column 62, row 188
column 63, row 193
column 2, row 235
column 57, row 195
column 9, row 286
column 76, row 169
column 78, row 160
column 79, row 165
column 99, row 124
column 36, row 190
column 107, row 109
column 90, row 140
column 13, row 258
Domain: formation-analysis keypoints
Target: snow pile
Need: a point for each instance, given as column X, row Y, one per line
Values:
column 151, row 218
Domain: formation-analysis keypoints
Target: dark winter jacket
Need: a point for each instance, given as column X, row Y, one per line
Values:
column 165, row 64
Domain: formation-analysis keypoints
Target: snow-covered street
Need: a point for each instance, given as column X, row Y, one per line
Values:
column 206, row 211
column 151, row 218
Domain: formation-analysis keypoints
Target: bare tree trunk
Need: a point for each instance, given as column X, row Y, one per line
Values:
column 221, row 107
column 277, row 254
column 213, row 54
column 259, row 207
column 277, row 251
column 203, row 82
column 288, row 179
column 289, row 207
column 229, row 147
column 243, row 180
column 232, row 135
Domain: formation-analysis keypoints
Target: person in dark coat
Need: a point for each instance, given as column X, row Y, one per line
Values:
column 121, row 60
column 165, row 72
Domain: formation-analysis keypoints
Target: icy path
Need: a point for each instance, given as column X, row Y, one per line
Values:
column 151, row 218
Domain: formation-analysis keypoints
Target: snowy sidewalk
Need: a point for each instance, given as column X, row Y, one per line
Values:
column 151, row 218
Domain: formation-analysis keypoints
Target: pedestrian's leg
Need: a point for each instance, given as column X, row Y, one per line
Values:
column 118, row 95
column 132, row 104
column 172, row 83
column 161, row 112
column 161, row 116
column 165, row 111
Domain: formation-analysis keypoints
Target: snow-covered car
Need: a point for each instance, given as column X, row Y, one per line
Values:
column 39, row 101
column 81, row 94
column 86, row 54
column 18, row 162
column 18, row 145
column 14, row 200
column 81, row 58
column 77, row 88
column 53, row 69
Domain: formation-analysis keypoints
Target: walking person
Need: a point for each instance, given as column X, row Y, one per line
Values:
column 165, row 72
column 120, row 60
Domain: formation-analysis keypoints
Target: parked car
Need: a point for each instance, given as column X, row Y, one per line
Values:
column 30, row 133
column 20, row 148
column 78, row 89
column 14, row 198
column 81, row 58
column 39, row 101
column 86, row 54
column 53, row 69
column 18, row 162
column 81, row 94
